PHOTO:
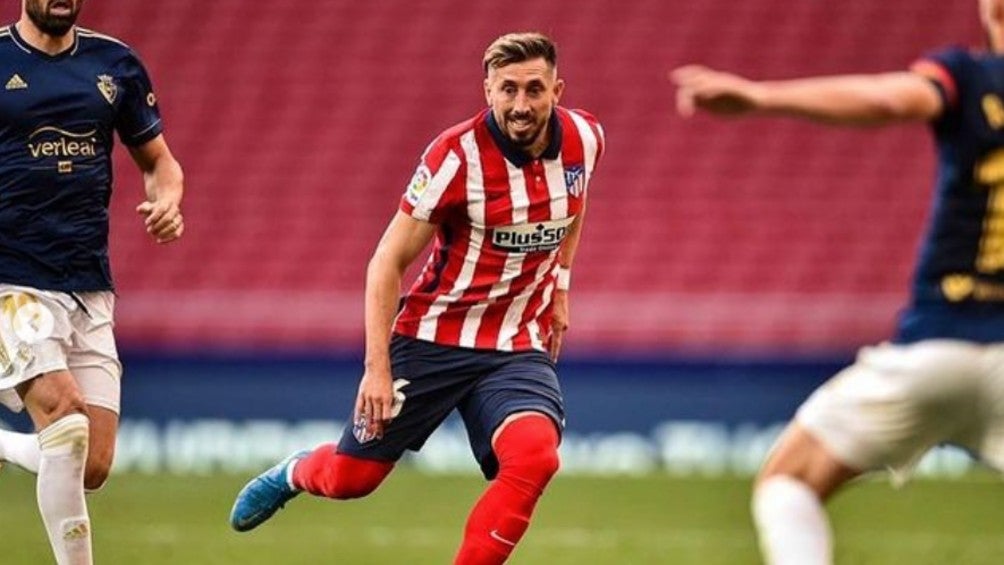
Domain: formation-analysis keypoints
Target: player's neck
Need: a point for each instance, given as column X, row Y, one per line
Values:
column 51, row 44
column 537, row 148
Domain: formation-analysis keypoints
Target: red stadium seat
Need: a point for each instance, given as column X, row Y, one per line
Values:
column 298, row 126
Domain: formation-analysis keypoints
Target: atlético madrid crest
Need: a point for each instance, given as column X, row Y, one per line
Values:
column 108, row 88
column 575, row 180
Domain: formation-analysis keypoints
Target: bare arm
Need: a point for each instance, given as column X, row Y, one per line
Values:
column 876, row 99
column 403, row 240
column 560, row 313
column 163, row 183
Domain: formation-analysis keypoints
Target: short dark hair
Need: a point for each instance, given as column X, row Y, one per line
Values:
column 518, row 47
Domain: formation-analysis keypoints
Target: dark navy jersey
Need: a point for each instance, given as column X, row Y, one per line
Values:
column 958, row 289
column 57, row 118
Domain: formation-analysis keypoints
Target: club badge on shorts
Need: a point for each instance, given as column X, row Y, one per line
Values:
column 360, row 429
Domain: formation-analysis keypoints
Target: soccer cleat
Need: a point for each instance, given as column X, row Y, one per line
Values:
column 264, row 495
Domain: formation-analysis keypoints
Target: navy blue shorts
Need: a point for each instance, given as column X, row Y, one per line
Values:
column 485, row 386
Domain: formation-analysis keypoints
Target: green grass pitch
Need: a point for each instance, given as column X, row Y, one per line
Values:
column 416, row 519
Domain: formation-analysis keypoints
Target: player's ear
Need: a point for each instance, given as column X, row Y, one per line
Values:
column 488, row 92
column 559, row 87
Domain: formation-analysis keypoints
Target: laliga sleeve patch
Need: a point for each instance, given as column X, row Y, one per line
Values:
column 419, row 183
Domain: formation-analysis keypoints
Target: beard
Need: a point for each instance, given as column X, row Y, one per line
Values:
column 524, row 138
column 48, row 22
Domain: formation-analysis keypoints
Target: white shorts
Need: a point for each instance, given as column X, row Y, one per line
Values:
column 44, row 331
column 897, row 401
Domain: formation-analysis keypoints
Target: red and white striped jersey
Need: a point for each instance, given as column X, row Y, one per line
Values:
column 502, row 217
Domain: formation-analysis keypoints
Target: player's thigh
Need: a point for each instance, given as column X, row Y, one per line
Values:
column 93, row 356
column 93, row 360
column 35, row 334
column 801, row 455
column 894, row 403
column 526, row 383
column 986, row 436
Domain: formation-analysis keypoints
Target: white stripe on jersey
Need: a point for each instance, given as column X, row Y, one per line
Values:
column 437, row 186
column 555, row 173
column 476, row 211
column 590, row 145
column 514, row 261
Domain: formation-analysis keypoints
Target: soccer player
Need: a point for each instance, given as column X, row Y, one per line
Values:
column 942, row 377
column 67, row 91
column 503, row 194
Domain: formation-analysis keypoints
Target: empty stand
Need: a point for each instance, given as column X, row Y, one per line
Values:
column 298, row 125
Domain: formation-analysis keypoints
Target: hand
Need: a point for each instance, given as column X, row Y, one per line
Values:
column 559, row 323
column 721, row 93
column 163, row 220
column 374, row 404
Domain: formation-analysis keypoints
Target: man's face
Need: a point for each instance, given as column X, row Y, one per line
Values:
column 53, row 17
column 522, row 97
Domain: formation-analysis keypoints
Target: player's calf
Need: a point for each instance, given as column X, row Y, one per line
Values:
column 63, row 446
column 326, row 472
column 527, row 451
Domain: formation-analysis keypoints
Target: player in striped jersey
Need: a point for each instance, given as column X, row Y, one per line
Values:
column 503, row 194
column 942, row 378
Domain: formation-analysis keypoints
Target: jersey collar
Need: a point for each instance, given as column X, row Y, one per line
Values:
column 20, row 42
column 513, row 153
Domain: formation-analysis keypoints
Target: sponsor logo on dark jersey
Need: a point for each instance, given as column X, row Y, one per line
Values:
column 55, row 142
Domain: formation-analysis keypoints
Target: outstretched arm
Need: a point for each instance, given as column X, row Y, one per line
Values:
column 163, row 182
column 876, row 99
column 403, row 240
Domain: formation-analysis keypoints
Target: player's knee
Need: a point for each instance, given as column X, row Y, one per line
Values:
column 67, row 404
column 66, row 436
column 528, row 449
column 536, row 464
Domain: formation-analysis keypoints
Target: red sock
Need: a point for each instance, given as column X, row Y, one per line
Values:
column 326, row 472
column 527, row 450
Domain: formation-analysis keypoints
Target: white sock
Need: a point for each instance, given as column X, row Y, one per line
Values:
column 792, row 525
column 60, row 489
column 20, row 449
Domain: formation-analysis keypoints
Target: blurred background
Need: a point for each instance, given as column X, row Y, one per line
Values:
column 726, row 268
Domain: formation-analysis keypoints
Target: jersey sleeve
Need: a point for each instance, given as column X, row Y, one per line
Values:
column 946, row 69
column 593, row 142
column 437, row 187
column 138, row 118
column 597, row 129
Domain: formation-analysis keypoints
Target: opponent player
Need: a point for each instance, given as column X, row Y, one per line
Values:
column 67, row 90
column 504, row 194
column 942, row 378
